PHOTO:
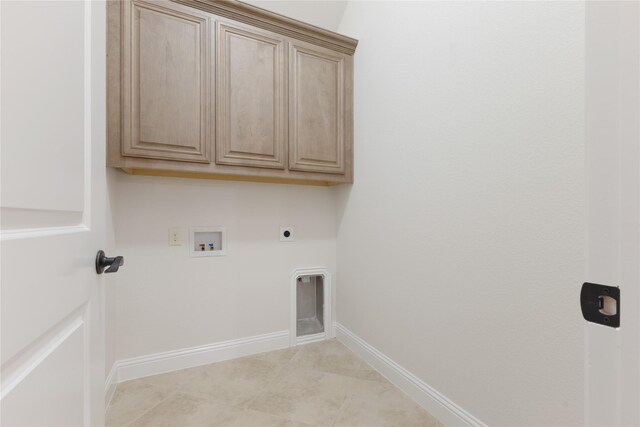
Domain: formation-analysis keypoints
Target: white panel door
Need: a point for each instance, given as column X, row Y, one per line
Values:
column 52, row 205
column 612, row 383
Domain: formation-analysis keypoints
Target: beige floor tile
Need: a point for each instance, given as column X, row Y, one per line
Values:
column 182, row 409
column 331, row 356
column 234, row 382
column 389, row 407
column 177, row 379
column 250, row 418
column 303, row 395
column 185, row 410
column 279, row 356
column 132, row 399
column 356, row 386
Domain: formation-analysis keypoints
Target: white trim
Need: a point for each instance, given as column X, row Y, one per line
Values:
column 31, row 233
column 426, row 396
column 110, row 384
column 88, row 115
column 160, row 363
column 327, row 286
column 612, row 208
column 306, row 339
column 19, row 368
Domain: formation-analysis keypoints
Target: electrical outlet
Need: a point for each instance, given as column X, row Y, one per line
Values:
column 286, row 234
column 175, row 236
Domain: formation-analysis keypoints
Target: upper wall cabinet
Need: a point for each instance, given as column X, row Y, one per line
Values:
column 166, row 75
column 317, row 118
column 222, row 89
column 251, row 98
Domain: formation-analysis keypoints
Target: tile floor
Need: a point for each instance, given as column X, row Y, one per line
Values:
column 318, row 384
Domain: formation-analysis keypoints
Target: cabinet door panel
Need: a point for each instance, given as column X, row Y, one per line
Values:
column 166, row 83
column 251, row 98
column 316, row 115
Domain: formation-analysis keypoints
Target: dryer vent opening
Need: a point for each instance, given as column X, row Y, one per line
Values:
column 310, row 305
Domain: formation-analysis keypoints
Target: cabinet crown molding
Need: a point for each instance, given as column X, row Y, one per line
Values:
column 258, row 17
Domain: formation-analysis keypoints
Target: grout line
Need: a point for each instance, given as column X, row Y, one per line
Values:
column 316, row 370
column 203, row 396
column 280, row 417
column 269, row 382
column 152, row 408
column 340, row 410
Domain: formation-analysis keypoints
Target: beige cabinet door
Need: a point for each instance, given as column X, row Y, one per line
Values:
column 317, row 108
column 166, row 82
column 251, row 99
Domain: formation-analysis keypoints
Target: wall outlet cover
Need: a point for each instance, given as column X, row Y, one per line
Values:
column 287, row 234
column 176, row 236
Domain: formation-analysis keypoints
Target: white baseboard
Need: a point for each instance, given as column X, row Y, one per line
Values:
column 306, row 339
column 426, row 396
column 433, row 401
column 160, row 363
column 110, row 385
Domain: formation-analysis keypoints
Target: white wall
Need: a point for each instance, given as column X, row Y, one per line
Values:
column 166, row 300
column 322, row 13
column 461, row 243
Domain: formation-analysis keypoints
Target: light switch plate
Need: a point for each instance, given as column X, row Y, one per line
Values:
column 287, row 234
column 176, row 236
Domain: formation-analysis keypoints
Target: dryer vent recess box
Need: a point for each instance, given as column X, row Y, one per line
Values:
column 207, row 241
column 310, row 305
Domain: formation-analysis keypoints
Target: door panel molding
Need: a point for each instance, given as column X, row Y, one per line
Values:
column 16, row 369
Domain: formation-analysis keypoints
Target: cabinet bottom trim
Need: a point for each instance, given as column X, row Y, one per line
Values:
column 223, row 177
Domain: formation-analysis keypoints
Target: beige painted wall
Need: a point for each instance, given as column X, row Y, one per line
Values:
column 167, row 300
column 461, row 243
column 164, row 301
column 322, row 13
